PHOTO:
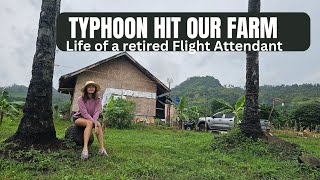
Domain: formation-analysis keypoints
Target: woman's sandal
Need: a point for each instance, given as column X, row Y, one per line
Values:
column 84, row 155
column 103, row 152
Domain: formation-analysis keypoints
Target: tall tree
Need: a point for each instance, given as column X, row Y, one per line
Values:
column 36, row 125
column 250, row 126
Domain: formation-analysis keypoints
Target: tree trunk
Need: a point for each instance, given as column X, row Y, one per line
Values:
column 250, row 126
column 36, row 125
column 1, row 117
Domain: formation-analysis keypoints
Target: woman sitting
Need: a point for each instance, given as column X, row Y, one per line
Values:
column 89, row 109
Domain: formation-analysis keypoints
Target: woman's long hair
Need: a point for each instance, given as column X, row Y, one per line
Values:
column 85, row 95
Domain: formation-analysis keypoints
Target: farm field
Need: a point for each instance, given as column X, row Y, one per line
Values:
column 155, row 153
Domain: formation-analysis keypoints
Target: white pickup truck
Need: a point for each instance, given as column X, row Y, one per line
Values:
column 217, row 122
column 223, row 122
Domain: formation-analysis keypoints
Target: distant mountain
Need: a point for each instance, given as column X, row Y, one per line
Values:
column 200, row 90
column 291, row 94
column 19, row 93
column 206, row 81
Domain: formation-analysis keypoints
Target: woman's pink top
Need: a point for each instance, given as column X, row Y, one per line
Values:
column 89, row 110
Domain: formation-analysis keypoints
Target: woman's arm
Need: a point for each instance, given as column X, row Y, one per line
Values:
column 97, row 111
column 83, row 109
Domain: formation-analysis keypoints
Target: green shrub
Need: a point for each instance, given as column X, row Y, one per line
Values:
column 308, row 115
column 235, row 141
column 120, row 114
column 56, row 113
column 6, row 108
column 229, row 141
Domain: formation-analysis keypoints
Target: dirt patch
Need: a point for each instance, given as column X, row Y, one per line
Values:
column 53, row 145
column 282, row 148
column 307, row 159
column 289, row 150
column 25, row 152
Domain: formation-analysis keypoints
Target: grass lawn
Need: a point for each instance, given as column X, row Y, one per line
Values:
column 309, row 145
column 154, row 153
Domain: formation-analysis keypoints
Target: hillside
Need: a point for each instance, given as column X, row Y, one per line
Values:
column 19, row 93
column 200, row 90
column 292, row 94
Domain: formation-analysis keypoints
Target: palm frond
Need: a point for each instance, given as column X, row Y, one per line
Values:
column 12, row 108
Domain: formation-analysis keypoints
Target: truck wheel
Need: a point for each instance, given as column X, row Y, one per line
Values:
column 188, row 128
column 202, row 127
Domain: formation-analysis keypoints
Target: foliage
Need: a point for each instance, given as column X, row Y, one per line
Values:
column 308, row 145
column 56, row 112
column 193, row 113
column 285, row 119
column 203, row 93
column 119, row 113
column 281, row 117
column 110, row 103
column 19, row 93
column 231, row 140
column 6, row 107
column 153, row 154
column 290, row 94
column 308, row 115
column 186, row 114
column 65, row 107
column 18, row 105
column 181, row 111
column 216, row 106
column 104, row 111
column 226, row 107
column 236, row 141
column 200, row 91
column 265, row 110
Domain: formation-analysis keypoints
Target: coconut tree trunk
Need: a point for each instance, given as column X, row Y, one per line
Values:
column 1, row 117
column 250, row 126
column 36, row 125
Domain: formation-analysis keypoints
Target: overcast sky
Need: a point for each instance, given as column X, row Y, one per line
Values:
column 19, row 25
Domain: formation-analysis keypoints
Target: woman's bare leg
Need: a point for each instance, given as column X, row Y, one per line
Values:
column 99, row 135
column 87, row 131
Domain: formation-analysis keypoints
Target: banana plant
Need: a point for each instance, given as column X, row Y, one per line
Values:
column 237, row 109
column 181, row 113
column 107, row 106
column 6, row 107
column 193, row 113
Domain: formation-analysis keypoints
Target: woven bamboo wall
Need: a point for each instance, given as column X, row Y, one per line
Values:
column 119, row 74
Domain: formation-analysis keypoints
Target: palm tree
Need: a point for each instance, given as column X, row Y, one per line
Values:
column 36, row 125
column 250, row 126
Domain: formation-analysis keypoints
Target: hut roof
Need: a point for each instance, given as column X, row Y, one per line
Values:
column 67, row 81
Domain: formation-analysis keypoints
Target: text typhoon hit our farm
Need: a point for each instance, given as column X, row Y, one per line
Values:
column 168, row 27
